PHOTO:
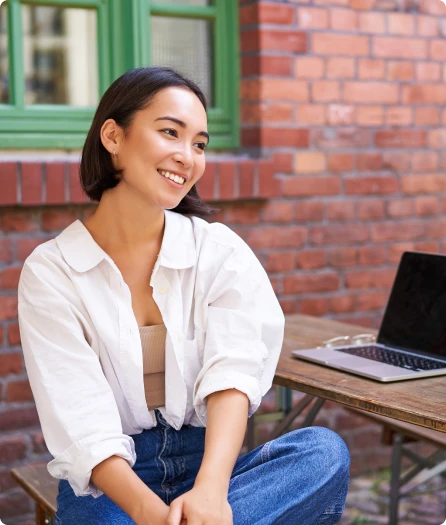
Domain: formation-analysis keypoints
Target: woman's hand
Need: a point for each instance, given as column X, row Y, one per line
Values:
column 203, row 505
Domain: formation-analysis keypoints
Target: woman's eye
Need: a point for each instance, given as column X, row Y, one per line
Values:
column 170, row 131
column 201, row 145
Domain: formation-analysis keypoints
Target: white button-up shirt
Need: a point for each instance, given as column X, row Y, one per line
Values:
column 82, row 346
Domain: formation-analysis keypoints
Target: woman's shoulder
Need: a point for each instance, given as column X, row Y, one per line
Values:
column 217, row 233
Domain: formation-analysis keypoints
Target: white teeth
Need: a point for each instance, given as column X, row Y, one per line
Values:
column 171, row 176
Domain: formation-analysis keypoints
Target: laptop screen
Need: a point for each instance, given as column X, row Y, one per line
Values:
column 415, row 317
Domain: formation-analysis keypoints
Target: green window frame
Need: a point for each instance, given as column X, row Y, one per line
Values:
column 123, row 43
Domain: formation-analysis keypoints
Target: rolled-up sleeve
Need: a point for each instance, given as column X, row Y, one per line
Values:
column 244, row 332
column 76, row 407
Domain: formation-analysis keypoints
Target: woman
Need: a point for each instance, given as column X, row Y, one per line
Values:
column 142, row 326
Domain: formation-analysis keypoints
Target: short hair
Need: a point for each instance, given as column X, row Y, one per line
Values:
column 130, row 93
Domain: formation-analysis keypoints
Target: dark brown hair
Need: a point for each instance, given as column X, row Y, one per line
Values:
column 130, row 93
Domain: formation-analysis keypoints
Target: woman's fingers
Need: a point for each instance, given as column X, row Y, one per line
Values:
column 175, row 513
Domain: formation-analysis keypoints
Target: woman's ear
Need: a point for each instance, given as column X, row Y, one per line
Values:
column 111, row 135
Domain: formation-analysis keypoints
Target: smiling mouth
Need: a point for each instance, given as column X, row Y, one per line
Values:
column 172, row 176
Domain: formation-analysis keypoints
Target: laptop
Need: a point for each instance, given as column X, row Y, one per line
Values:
column 411, row 342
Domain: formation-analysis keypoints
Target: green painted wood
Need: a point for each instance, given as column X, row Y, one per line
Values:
column 15, row 42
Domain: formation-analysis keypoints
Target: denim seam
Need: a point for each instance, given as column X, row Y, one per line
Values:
column 265, row 451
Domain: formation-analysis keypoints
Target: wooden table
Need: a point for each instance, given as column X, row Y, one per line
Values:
column 420, row 401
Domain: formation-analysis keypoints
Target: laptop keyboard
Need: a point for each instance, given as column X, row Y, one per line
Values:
column 384, row 355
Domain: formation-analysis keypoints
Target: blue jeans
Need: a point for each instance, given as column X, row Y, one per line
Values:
column 300, row 478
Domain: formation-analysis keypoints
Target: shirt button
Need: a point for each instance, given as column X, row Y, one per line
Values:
column 163, row 290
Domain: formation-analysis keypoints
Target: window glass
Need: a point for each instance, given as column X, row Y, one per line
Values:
column 60, row 55
column 4, row 69
column 184, row 44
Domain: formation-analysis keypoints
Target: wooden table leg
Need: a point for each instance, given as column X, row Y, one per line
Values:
column 40, row 515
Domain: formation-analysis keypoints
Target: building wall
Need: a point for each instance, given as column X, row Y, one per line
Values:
column 340, row 170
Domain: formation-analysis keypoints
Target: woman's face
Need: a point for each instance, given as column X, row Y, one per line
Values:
column 165, row 141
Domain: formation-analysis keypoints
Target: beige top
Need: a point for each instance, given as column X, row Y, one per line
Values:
column 153, row 342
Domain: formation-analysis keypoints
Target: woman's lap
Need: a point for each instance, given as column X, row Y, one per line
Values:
column 305, row 470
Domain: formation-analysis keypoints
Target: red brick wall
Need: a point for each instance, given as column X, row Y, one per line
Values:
column 341, row 168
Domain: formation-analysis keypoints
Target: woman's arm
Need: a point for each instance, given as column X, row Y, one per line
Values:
column 118, row 481
column 207, row 503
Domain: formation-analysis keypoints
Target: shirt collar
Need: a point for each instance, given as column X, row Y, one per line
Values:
column 178, row 249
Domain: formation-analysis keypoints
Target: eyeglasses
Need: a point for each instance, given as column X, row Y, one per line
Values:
column 360, row 339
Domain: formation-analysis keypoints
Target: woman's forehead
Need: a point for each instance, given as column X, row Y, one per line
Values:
column 180, row 103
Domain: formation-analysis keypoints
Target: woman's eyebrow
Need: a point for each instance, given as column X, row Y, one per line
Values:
column 182, row 124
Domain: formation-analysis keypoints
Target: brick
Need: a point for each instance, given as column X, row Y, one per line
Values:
column 309, row 67
column 370, row 115
column 396, row 161
column 7, row 482
column 13, row 334
column 437, row 138
column 248, row 15
column 25, row 247
column 18, row 418
column 276, row 237
column 435, row 228
column 311, row 114
column 401, row 70
column 344, row 3
column 267, row 65
column 321, row 282
column 250, row 89
column 39, row 445
column 343, row 19
column 432, row 8
column 246, row 213
column 10, row 364
column 341, row 115
column 340, row 162
column 423, row 183
column 207, row 184
column 379, row 185
column 399, row 116
column 273, row 13
column 308, row 211
column 397, row 208
column 371, row 69
column 369, row 161
column 396, row 231
column 325, row 91
column 55, row 183
column 401, row 139
column 278, row 211
column 424, row 94
column 284, row 89
column 427, row 25
column 341, row 211
column 341, row 138
column 58, row 219
column 9, row 278
column 280, row 262
column 395, row 47
column 289, row 306
column 401, row 23
column 373, row 23
column 226, row 180
column 312, row 18
column 15, row 504
column 268, row 184
column 76, row 193
column 373, row 278
column 311, row 259
column 17, row 221
column 342, row 257
column 343, row 303
column 362, row 4
column 427, row 116
column 371, row 210
column 31, row 183
column 340, row 67
column 314, row 306
column 372, row 255
column 8, row 183
column 333, row 44
column 396, row 250
column 8, row 307
column 283, row 137
column 310, row 162
column 428, row 71
column 437, row 49
column 250, row 40
column 426, row 206
column 370, row 92
column 371, row 301
column 311, row 186
column 5, row 250
column 338, row 234
column 291, row 41
column 283, row 162
column 425, row 161
column 18, row 391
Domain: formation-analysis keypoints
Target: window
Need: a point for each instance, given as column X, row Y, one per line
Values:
column 58, row 57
